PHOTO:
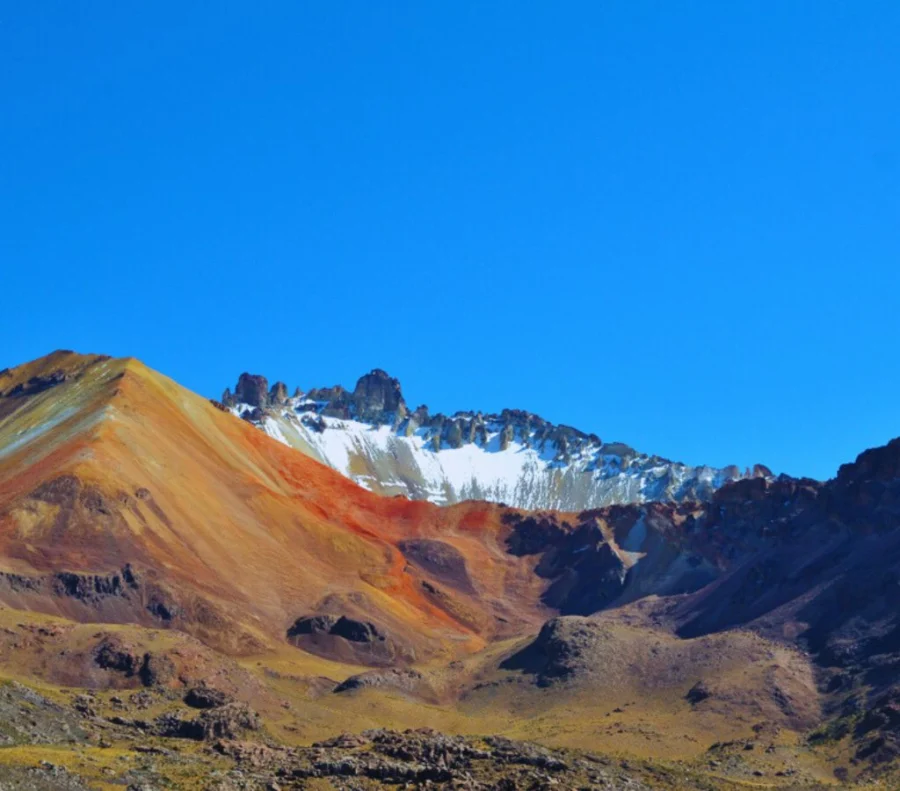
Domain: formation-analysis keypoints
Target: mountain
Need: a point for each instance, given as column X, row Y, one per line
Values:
column 158, row 508
column 371, row 436
column 157, row 552
column 126, row 498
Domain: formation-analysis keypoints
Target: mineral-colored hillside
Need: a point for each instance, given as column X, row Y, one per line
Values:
column 167, row 511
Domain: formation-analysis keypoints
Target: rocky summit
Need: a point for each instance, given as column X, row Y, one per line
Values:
column 186, row 602
column 371, row 436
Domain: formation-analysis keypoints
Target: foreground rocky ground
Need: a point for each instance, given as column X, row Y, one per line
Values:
column 160, row 738
column 212, row 742
column 209, row 741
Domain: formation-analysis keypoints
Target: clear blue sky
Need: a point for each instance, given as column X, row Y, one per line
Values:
column 673, row 224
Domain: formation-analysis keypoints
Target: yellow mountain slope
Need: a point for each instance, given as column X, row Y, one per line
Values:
column 168, row 511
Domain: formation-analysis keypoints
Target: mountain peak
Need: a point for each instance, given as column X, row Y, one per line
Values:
column 377, row 373
column 252, row 389
column 377, row 395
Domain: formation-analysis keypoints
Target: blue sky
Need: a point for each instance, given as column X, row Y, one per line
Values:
column 672, row 224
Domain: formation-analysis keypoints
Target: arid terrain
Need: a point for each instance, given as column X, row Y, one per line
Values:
column 186, row 602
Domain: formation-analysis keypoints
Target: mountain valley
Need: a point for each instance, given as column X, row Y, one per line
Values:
column 330, row 590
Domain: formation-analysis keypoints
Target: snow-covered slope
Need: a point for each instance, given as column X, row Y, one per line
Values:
column 515, row 457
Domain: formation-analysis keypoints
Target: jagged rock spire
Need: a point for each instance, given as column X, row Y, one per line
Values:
column 377, row 394
column 252, row 389
column 278, row 394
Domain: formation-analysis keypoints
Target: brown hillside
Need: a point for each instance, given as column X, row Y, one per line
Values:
column 167, row 511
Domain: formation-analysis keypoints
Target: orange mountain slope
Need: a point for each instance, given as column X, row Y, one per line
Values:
column 163, row 509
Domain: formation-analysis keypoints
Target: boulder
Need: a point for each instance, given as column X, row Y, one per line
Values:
column 203, row 697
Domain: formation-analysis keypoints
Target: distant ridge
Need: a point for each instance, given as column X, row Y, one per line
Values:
column 371, row 435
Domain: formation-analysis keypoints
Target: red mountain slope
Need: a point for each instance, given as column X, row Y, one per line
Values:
column 164, row 510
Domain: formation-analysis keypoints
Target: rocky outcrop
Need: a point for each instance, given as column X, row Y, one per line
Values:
column 204, row 697
column 400, row 679
column 337, row 626
column 356, row 631
column 92, row 590
column 425, row 758
column 229, row 721
column 36, row 384
column 698, row 693
column 330, row 400
column 344, row 639
column 312, row 624
column 866, row 493
column 439, row 560
column 587, row 572
column 564, row 648
column 377, row 398
column 116, row 655
column 609, row 556
column 252, row 390
column 157, row 670
column 278, row 395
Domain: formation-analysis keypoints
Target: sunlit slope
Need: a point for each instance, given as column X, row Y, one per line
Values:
column 105, row 463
